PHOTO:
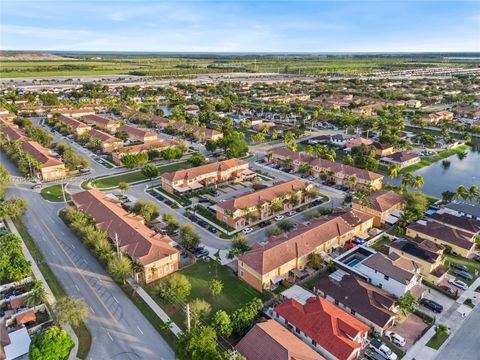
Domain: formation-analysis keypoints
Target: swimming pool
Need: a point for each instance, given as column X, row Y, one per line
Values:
column 430, row 212
column 353, row 262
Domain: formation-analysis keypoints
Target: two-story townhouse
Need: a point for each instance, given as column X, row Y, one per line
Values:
column 101, row 122
column 157, row 145
column 331, row 331
column 142, row 135
column 265, row 203
column 108, row 142
column 73, row 125
column 50, row 167
column 274, row 260
column 380, row 204
column 152, row 251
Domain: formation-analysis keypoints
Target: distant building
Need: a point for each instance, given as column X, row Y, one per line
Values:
column 438, row 117
column 402, row 159
column 138, row 134
column 101, row 122
column 458, row 208
column 73, row 125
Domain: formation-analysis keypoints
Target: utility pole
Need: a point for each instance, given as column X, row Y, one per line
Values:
column 116, row 244
column 187, row 310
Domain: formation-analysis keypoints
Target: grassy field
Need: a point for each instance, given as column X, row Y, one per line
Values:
column 436, row 341
column 428, row 160
column 112, row 181
column 165, row 65
column 235, row 292
column 82, row 332
column 54, row 193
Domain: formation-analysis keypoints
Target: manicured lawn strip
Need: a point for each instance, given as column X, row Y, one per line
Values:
column 181, row 201
column 471, row 265
column 54, row 193
column 108, row 182
column 377, row 245
column 201, row 210
column 82, row 332
column 309, row 284
column 235, row 292
column 436, row 341
column 150, row 315
column 428, row 160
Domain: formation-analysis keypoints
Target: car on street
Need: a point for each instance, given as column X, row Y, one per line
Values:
column 212, row 229
column 432, row 305
column 291, row 213
column 447, row 289
column 279, row 217
column 463, row 274
column 316, row 202
column 201, row 252
column 36, row 186
column 459, row 266
column 379, row 347
column 476, row 258
column 247, row 230
column 459, row 283
column 395, row 338
column 265, row 223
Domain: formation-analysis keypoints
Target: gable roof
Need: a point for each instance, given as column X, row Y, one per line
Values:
column 445, row 233
column 323, row 322
column 278, row 250
column 41, row 154
column 192, row 173
column 98, row 119
column 14, row 133
column 263, row 196
column 416, row 249
column 72, row 123
column 464, row 207
column 460, row 222
column 271, row 341
column 394, row 266
column 365, row 299
column 134, row 131
column 135, row 239
column 381, row 200
column 95, row 133
column 402, row 156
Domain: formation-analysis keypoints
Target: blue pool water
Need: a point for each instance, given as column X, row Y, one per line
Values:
column 353, row 262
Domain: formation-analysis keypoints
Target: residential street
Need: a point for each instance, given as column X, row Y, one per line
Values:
column 118, row 328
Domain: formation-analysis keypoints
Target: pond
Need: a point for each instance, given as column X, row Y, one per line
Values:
column 450, row 173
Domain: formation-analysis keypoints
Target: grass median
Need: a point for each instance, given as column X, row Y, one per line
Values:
column 134, row 176
column 54, row 193
column 82, row 332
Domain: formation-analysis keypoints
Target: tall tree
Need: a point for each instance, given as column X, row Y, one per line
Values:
column 70, row 310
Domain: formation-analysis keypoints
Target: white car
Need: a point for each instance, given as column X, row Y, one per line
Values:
column 291, row 213
column 460, row 284
column 279, row 217
column 247, row 230
column 395, row 338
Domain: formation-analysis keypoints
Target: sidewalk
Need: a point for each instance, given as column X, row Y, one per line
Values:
column 155, row 307
column 39, row 276
column 452, row 317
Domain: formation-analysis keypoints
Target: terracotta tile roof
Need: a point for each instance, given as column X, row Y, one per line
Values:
column 263, row 196
column 72, row 123
column 381, row 200
column 271, row 341
column 14, row 133
column 16, row 302
column 25, row 317
column 196, row 129
column 98, row 119
column 41, row 154
column 445, row 233
column 142, row 244
column 461, row 222
column 154, row 144
column 394, row 266
column 94, row 133
column 294, row 155
column 381, row 146
column 278, row 250
column 192, row 173
column 331, row 327
column 134, row 131
column 369, row 301
column 402, row 156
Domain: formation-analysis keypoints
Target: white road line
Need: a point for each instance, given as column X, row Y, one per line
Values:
column 93, row 312
column 114, row 298
column 141, row 332
column 76, row 286
column 110, row 336
column 54, row 253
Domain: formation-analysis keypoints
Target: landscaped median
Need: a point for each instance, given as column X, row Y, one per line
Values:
column 54, row 193
column 428, row 160
column 108, row 182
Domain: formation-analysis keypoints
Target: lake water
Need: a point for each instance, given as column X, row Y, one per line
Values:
column 439, row 177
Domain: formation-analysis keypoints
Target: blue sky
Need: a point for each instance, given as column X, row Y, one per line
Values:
column 239, row 26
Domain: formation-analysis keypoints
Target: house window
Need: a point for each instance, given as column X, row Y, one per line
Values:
column 166, row 268
column 149, row 276
column 241, row 273
column 297, row 330
column 353, row 312
column 171, row 267
column 314, row 343
column 336, row 302
column 170, row 257
column 386, row 277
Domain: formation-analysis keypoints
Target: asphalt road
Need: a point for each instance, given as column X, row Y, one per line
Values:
column 119, row 330
column 465, row 344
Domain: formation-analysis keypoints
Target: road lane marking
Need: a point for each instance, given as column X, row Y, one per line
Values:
column 76, row 286
column 141, row 332
column 91, row 309
column 78, row 270
column 114, row 298
column 110, row 336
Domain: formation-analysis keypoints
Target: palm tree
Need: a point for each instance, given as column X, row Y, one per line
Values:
column 473, row 193
column 417, row 182
column 393, row 171
column 70, row 310
column 407, row 180
column 461, row 192
column 351, row 181
column 37, row 295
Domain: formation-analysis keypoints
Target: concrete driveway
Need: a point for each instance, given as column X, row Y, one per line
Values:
column 438, row 297
column 410, row 329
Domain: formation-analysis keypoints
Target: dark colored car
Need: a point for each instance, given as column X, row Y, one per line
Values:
column 212, row 229
column 463, row 274
column 476, row 258
column 447, row 289
column 201, row 253
column 459, row 266
column 432, row 305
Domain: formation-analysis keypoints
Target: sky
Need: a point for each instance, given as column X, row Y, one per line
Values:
column 240, row 26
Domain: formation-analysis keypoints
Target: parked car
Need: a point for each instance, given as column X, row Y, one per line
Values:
column 359, row 241
column 395, row 338
column 265, row 223
column 463, row 274
column 291, row 213
column 247, row 230
column 279, row 217
column 459, row 266
column 447, row 289
column 200, row 253
column 36, row 186
column 476, row 258
column 432, row 305
column 212, row 229
column 317, row 202
column 379, row 347
column 459, row 283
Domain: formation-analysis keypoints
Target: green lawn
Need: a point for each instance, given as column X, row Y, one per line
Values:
column 377, row 245
column 82, row 332
column 54, row 193
column 436, row 341
column 235, row 292
column 309, row 284
column 112, row 181
column 203, row 211
column 428, row 160
column 471, row 265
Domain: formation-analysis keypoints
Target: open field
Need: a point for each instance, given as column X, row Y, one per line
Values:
column 178, row 65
